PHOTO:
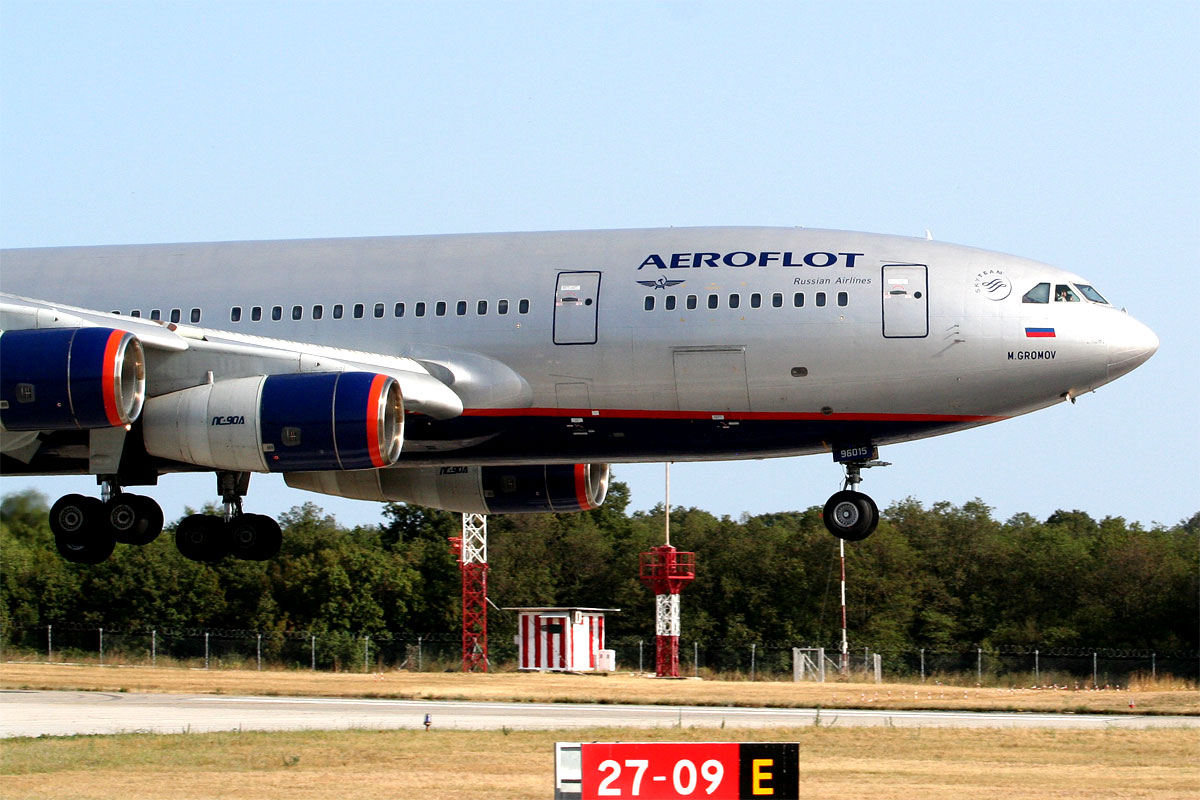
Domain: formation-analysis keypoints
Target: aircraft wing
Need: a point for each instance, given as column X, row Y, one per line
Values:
column 181, row 356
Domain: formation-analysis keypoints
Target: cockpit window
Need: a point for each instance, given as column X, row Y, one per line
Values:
column 1038, row 294
column 1063, row 294
column 1090, row 293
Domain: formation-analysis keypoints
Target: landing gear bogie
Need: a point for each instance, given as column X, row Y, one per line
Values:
column 849, row 514
column 81, row 533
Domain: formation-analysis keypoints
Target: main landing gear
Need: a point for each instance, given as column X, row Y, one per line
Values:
column 850, row 514
column 250, row 537
column 87, row 529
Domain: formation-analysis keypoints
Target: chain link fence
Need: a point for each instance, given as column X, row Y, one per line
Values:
column 344, row 651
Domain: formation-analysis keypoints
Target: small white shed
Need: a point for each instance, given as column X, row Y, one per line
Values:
column 562, row 639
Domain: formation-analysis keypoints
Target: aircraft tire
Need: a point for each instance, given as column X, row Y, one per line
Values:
column 254, row 537
column 202, row 537
column 851, row 516
column 134, row 518
column 80, row 528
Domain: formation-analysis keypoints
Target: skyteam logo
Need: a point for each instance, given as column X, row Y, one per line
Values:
column 992, row 284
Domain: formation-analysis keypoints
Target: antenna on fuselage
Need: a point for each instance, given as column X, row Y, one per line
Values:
column 928, row 235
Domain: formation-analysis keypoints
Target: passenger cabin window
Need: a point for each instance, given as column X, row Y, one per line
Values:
column 398, row 310
column 1090, row 293
column 756, row 300
column 798, row 300
column 691, row 302
column 256, row 314
column 523, row 307
column 1063, row 294
column 420, row 308
column 502, row 307
column 735, row 300
column 670, row 302
column 481, row 308
column 137, row 313
column 195, row 316
column 777, row 300
column 155, row 314
column 648, row 303
column 820, row 299
column 712, row 301
column 175, row 315
column 359, row 310
column 235, row 314
column 843, row 298
column 440, row 308
column 1038, row 294
column 379, row 309
column 297, row 312
column 318, row 311
column 277, row 313
column 338, row 310
column 461, row 308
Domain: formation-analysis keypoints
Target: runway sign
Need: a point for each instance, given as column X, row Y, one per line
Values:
column 672, row 770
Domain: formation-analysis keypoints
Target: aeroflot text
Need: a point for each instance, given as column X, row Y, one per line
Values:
column 744, row 258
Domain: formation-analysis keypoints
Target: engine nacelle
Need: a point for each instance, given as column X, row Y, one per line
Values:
column 279, row 423
column 60, row 378
column 470, row 490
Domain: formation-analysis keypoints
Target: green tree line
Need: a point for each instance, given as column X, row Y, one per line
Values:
column 942, row 576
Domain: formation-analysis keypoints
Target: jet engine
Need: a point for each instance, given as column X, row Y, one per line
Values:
column 278, row 423
column 470, row 490
column 61, row 378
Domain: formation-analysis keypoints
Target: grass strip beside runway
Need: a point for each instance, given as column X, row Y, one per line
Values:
column 880, row 763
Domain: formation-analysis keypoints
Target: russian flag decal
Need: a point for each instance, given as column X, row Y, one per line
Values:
column 1039, row 333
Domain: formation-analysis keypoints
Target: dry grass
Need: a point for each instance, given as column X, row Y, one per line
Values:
column 1162, row 697
column 882, row 763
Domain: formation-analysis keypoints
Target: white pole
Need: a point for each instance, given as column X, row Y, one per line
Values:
column 845, row 641
column 260, row 652
column 49, row 642
column 752, row 648
column 154, row 648
column 366, row 649
column 206, row 649
column 102, row 647
column 668, row 503
column 313, row 652
column 696, row 659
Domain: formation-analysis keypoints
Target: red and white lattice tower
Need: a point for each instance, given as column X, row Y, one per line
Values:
column 472, row 561
column 666, row 570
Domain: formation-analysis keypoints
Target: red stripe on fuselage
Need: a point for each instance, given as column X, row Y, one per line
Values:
column 767, row 416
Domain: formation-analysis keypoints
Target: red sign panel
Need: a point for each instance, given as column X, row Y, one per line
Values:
column 671, row 770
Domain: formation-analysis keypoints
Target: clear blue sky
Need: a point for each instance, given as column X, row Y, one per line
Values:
column 1065, row 132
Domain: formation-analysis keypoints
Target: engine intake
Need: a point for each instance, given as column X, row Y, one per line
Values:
column 280, row 423
column 470, row 490
column 60, row 378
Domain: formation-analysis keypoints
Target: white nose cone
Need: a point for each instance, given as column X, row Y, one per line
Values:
column 1130, row 344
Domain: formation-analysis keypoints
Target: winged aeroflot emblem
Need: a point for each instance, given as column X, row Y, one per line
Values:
column 661, row 283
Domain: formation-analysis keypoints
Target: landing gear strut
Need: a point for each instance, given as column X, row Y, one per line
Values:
column 209, row 538
column 850, row 514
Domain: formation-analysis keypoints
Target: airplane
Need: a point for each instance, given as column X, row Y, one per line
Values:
column 503, row 373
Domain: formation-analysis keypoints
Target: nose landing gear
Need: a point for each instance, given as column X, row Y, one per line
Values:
column 850, row 514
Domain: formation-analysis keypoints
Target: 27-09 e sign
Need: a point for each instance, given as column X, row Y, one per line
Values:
column 670, row 770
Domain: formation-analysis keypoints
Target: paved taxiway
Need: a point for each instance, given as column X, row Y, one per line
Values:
column 37, row 713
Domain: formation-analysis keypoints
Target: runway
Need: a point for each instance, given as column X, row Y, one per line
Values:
column 50, row 713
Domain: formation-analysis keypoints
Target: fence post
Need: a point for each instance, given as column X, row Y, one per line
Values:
column 101, row 646
column 206, row 649
column 1037, row 672
column 366, row 650
column 154, row 647
column 878, row 668
column 979, row 664
column 696, row 659
column 260, row 652
column 753, row 647
column 1153, row 667
column 313, row 652
column 922, row 665
column 419, row 654
column 1093, row 670
column 639, row 656
column 49, row 643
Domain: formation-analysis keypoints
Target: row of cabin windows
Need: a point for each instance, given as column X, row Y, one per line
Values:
column 359, row 310
column 691, row 301
column 175, row 314
column 338, row 311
